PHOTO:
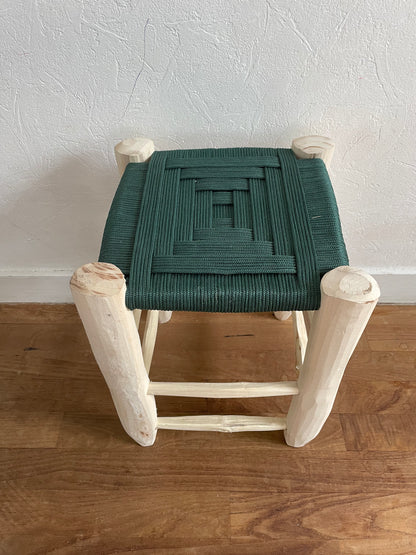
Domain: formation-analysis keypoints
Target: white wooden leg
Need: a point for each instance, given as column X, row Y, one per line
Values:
column 301, row 337
column 282, row 315
column 138, row 149
column 307, row 318
column 164, row 316
column 348, row 297
column 149, row 337
column 99, row 293
column 314, row 146
column 137, row 313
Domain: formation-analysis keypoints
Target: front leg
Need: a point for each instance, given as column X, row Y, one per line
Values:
column 347, row 301
column 99, row 291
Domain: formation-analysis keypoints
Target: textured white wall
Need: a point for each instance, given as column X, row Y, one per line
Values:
column 77, row 76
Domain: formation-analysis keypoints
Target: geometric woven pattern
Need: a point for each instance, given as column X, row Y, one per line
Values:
column 224, row 230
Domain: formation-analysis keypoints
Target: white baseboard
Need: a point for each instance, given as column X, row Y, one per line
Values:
column 53, row 287
column 397, row 288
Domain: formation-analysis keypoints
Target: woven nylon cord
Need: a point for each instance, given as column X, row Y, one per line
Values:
column 224, row 230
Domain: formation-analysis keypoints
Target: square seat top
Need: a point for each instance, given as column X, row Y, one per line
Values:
column 224, row 230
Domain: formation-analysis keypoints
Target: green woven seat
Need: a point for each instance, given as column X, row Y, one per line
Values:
column 224, row 230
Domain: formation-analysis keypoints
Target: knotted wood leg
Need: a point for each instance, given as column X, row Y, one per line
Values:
column 348, row 297
column 99, row 291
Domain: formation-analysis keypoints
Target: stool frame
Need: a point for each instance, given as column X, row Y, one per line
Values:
column 324, row 339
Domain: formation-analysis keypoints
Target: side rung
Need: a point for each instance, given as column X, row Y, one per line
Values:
column 223, row 390
column 222, row 423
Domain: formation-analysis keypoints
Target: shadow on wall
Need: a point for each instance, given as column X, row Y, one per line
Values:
column 56, row 220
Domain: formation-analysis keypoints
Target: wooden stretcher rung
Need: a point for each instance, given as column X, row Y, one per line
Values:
column 223, row 390
column 222, row 423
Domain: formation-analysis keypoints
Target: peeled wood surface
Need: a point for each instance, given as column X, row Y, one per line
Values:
column 301, row 337
column 99, row 292
column 73, row 482
column 137, row 149
column 348, row 298
column 314, row 146
column 222, row 423
column 223, row 390
column 149, row 337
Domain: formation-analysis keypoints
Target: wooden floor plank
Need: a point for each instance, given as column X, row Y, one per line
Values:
column 323, row 516
column 384, row 366
column 392, row 345
column 203, row 467
column 379, row 432
column 20, row 427
column 56, row 518
column 376, row 397
column 33, row 313
column 392, row 322
column 72, row 481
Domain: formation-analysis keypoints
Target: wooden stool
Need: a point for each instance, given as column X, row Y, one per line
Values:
column 324, row 338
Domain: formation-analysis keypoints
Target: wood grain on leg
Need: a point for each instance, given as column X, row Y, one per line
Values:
column 137, row 313
column 137, row 149
column 301, row 337
column 99, row 293
column 314, row 146
column 149, row 337
column 348, row 297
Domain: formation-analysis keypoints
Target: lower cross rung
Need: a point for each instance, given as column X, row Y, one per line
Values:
column 223, row 390
column 222, row 423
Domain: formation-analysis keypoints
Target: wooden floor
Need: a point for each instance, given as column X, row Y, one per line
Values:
column 73, row 482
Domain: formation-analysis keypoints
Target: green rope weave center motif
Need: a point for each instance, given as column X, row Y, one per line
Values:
column 224, row 230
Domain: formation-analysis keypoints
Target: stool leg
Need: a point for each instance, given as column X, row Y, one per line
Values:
column 348, row 298
column 149, row 337
column 137, row 149
column 164, row 316
column 282, row 315
column 314, row 146
column 99, row 291
column 137, row 314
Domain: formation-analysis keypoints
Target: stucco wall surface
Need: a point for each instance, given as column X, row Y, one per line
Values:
column 78, row 76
